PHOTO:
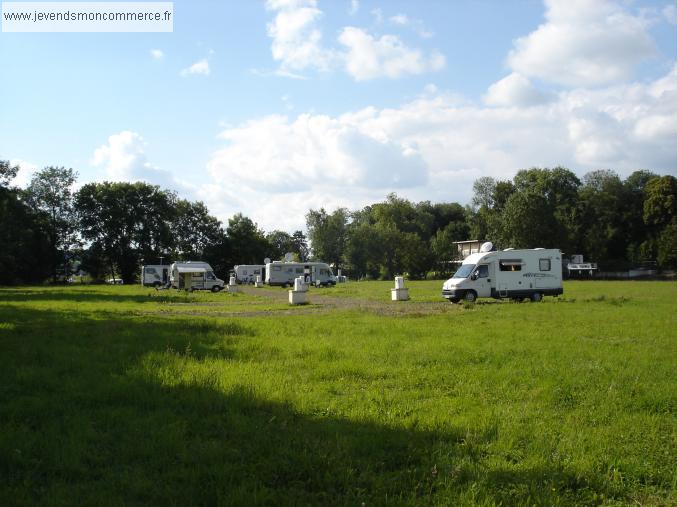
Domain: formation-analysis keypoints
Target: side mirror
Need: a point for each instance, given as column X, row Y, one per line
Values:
column 474, row 276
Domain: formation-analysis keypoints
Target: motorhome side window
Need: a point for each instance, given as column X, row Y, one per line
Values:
column 483, row 271
column 544, row 264
column 150, row 271
column 299, row 271
column 510, row 265
column 277, row 268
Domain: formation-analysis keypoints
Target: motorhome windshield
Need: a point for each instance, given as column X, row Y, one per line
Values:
column 464, row 271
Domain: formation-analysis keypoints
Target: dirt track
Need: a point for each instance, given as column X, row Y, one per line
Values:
column 323, row 302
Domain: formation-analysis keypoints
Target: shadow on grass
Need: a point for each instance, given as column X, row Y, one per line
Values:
column 131, row 411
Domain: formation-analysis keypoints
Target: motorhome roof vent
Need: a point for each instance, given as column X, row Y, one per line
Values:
column 486, row 247
column 508, row 249
column 539, row 248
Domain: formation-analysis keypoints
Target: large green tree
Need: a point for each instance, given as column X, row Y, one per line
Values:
column 126, row 222
column 193, row 230
column 247, row 242
column 328, row 234
column 25, row 255
column 51, row 192
column 660, row 217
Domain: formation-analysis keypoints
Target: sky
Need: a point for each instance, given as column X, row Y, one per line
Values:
column 271, row 108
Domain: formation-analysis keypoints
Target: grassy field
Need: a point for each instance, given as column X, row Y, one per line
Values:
column 125, row 395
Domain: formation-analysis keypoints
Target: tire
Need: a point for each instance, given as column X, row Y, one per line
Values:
column 470, row 296
column 454, row 300
column 216, row 288
column 536, row 297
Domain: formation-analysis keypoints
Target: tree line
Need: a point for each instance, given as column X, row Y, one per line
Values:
column 49, row 230
column 616, row 223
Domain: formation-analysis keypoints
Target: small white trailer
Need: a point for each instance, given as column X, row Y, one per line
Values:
column 514, row 274
column 246, row 273
column 155, row 275
column 194, row 275
column 313, row 273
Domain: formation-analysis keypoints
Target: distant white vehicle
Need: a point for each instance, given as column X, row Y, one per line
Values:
column 515, row 274
column 114, row 281
column 155, row 275
column 246, row 273
column 313, row 273
column 194, row 275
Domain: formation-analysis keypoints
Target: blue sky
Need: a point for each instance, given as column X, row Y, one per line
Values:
column 273, row 107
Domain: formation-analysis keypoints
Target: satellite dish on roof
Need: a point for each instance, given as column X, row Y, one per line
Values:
column 487, row 247
column 266, row 260
column 288, row 257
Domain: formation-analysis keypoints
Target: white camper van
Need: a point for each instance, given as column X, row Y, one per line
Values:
column 155, row 275
column 246, row 273
column 284, row 273
column 515, row 274
column 194, row 275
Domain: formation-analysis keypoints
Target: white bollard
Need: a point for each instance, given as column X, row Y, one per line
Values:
column 258, row 283
column 299, row 294
column 232, row 285
column 399, row 293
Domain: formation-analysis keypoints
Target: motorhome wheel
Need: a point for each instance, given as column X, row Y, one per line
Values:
column 536, row 297
column 216, row 288
column 470, row 296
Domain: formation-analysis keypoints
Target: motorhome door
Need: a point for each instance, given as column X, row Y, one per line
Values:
column 482, row 283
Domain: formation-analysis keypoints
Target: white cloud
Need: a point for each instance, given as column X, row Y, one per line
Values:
column 415, row 24
column 26, row 172
column 400, row 19
column 313, row 150
column 199, row 67
column 369, row 58
column 378, row 15
column 157, row 54
column 275, row 168
column 514, row 90
column 583, row 43
column 123, row 158
column 670, row 14
column 354, row 7
column 297, row 46
column 296, row 40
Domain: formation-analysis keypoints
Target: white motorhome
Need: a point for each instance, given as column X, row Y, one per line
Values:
column 194, row 275
column 246, row 273
column 515, row 274
column 284, row 273
column 155, row 275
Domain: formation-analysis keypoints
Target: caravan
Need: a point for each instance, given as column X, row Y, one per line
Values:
column 515, row 274
column 155, row 275
column 313, row 273
column 194, row 275
column 246, row 273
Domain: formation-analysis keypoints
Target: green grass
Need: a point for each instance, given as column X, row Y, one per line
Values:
column 125, row 395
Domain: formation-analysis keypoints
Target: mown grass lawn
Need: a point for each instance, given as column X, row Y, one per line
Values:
column 125, row 395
